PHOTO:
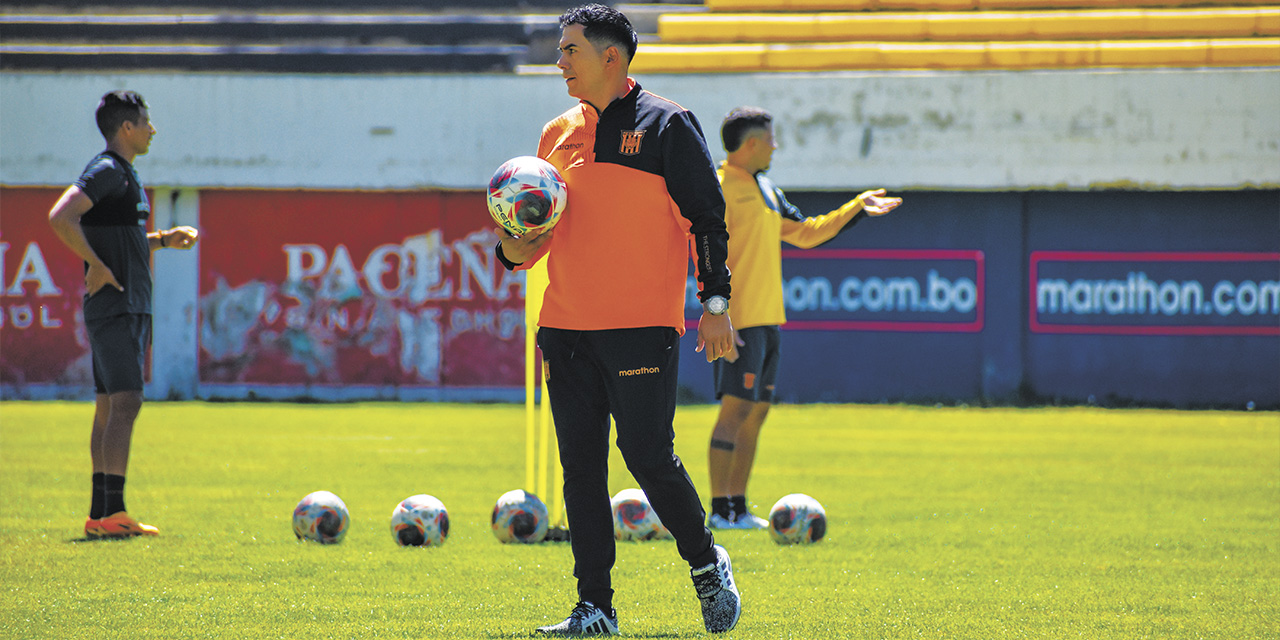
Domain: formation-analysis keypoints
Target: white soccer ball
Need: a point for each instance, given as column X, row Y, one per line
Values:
column 797, row 519
column 526, row 193
column 420, row 521
column 321, row 516
column 519, row 516
column 634, row 518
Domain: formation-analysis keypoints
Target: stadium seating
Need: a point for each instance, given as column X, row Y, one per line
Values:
column 956, row 5
column 280, row 35
column 972, row 26
column 818, row 35
column 680, row 36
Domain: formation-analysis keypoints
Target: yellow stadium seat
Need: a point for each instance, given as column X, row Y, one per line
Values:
column 719, row 6
column 973, row 25
column 660, row 58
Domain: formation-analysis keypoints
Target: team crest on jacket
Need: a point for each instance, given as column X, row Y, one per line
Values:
column 631, row 142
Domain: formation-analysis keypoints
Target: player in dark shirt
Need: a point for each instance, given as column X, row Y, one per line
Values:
column 102, row 217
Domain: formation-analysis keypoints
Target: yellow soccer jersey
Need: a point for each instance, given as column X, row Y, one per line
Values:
column 759, row 219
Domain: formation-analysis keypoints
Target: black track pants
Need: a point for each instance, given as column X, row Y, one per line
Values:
column 631, row 374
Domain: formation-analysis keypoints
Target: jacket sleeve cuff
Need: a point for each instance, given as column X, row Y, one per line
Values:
column 509, row 265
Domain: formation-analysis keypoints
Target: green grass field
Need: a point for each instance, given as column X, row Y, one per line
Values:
column 943, row 523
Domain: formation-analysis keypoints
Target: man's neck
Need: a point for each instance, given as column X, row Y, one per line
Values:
column 738, row 162
column 616, row 90
column 120, row 150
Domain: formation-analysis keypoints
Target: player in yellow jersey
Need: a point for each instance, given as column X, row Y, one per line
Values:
column 758, row 218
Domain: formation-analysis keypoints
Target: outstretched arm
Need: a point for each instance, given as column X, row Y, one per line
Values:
column 176, row 238
column 807, row 233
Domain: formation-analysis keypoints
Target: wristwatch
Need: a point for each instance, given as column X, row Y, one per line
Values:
column 717, row 305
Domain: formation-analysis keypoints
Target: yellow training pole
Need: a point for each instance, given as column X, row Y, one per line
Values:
column 535, row 285
column 530, row 433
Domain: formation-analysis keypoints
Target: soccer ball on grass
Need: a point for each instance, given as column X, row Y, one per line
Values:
column 519, row 516
column 322, row 517
column 420, row 521
column 634, row 518
column 797, row 519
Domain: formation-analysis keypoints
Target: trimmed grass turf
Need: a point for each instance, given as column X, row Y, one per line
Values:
column 943, row 523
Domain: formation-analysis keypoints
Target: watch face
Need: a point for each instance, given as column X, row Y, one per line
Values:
column 717, row 305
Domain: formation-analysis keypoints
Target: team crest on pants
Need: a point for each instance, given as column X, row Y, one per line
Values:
column 631, row 142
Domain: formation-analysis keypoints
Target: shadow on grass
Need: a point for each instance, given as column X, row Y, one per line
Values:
column 105, row 540
column 535, row 634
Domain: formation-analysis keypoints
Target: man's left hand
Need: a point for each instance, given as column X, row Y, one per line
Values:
column 180, row 237
column 875, row 204
column 717, row 337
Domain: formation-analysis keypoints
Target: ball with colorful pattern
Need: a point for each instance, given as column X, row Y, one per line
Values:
column 420, row 521
column 519, row 516
column 321, row 517
column 797, row 519
column 526, row 193
column 634, row 518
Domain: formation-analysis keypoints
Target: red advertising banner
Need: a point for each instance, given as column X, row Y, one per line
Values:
column 341, row 288
column 42, row 334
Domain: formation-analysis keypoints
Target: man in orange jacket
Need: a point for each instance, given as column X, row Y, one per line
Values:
column 641, row 187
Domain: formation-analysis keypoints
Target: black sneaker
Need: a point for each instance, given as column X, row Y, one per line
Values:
column 721, row 603
column 586, row 620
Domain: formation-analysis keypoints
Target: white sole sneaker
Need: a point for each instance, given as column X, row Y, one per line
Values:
column 721, row 602
column 586, row 620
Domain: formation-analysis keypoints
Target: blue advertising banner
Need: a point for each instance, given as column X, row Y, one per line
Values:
column 1108, row 297
column 884, row 290
column 1155, row 293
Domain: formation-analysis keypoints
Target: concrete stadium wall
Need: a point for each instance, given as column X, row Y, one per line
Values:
column 1151, row 129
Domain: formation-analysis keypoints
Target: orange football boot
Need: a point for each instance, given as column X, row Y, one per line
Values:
column 92, row 528
column 120, row 525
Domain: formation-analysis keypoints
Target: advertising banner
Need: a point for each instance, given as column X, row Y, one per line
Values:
column 1155, row 293
column 42, row 334
column 883, row 290
column 917, row 290
column 386, row 289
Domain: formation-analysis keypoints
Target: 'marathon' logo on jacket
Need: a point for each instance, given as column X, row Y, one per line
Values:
column 642, row 371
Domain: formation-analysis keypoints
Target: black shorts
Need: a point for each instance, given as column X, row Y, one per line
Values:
column 119, row 346
column 753, row 376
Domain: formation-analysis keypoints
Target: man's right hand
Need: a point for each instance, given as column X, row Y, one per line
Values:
column 99, row 276
column 522, row 249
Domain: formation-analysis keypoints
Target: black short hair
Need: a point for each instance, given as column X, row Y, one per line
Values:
column 603, row 26
column 115, row 108
column 740, row 123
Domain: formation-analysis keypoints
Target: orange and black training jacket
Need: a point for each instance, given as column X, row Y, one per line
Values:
column 641, row 186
